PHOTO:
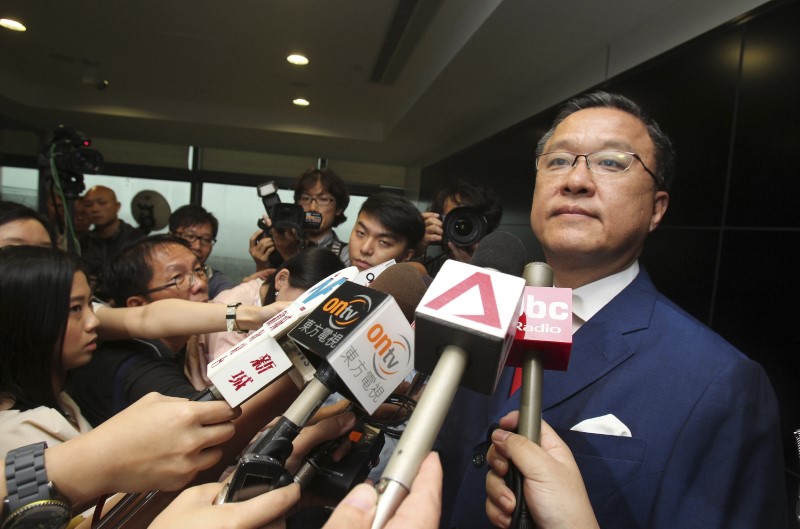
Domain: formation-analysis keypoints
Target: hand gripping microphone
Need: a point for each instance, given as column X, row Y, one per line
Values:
column 464, row 329
column 365, row 349
column 542, row 341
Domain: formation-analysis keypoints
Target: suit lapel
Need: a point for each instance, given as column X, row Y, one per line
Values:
column 600, row 346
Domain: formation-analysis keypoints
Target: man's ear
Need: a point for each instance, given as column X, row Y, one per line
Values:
column 660, row 204
column 136, row 301
column 408, row 255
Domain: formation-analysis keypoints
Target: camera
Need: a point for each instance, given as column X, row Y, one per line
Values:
column 69, row 150
column 463, row 226
column 284, row 216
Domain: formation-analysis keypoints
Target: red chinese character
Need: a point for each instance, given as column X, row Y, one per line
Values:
column 262, row 364
column 240, row 380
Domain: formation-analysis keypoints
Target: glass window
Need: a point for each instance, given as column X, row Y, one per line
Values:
column 18, row 184
column 177, row 194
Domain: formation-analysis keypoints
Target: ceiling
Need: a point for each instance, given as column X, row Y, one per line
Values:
column 400, row 82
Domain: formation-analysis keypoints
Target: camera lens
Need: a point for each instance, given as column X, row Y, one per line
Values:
column 464, row 226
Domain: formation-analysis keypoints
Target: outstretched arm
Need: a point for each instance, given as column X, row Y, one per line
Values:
column 177, row 317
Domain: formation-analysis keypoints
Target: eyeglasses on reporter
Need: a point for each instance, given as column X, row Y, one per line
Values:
column 191, row 238
column 608, row 162
column 321, row 200
column 182, row 282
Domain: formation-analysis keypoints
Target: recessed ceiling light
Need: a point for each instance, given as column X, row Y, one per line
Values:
column 11, row 24
column 299, row 60
column 301, row 102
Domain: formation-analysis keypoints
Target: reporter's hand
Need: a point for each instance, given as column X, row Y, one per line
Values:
column 433, row 229
column 316, row 434
column 461, row 253
column 554, row 491
column 160, row 442
column 421, row 509
column 194, row 508
column 286, row 242
column 260, row 250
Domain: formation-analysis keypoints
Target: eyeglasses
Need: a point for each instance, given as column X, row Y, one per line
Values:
column 182, row 282
column 600, row 162
column 321, row 200
column 191, row 238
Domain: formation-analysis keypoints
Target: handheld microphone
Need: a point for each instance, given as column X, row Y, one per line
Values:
column 365, row 345
column 542, row 341
column 466, row 319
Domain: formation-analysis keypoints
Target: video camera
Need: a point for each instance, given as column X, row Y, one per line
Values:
column 463, row 226
column 284, row 216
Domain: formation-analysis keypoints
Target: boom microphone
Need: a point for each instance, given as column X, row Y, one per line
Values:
column 404, row 282
column 467, row 319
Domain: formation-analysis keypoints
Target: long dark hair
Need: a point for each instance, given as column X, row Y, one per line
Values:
column 306, row 269
column 33, row 326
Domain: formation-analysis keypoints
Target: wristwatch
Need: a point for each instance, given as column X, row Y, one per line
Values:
column 230, row 318
column 33, row 501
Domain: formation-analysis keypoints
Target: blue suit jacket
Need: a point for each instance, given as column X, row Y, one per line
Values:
column 705, row 450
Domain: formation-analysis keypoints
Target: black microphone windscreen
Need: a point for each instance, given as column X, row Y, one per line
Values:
column 403, row 282
column 501, row 251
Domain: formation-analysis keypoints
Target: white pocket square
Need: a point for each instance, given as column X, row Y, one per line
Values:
column 605, row 425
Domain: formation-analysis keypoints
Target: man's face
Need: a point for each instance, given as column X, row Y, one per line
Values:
column 82, row 222
column 202, row 236
column 28, row 232
column 328, row 212
column 372, row 244
column 102, row 206
column 593, row 221
column 176, row 262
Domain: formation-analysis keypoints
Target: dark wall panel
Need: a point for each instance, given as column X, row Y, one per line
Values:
column 766, row 168
column 681, row 262
column 691, row 94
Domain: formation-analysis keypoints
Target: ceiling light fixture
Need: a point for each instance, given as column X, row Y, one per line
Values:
column 301, row 102
column 12, row 24
column 297, row 59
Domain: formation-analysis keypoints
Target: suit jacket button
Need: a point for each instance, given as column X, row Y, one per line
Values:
column 478, row 460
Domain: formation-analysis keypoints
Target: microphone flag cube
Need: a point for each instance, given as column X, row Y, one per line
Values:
column 545, row 324
column 364, row 336
column 474, row 308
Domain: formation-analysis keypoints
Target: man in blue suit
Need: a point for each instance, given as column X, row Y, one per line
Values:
column 670, row 426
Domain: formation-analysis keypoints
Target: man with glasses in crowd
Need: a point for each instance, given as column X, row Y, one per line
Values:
column 199, row 228
column 669, row 424
column 318, row 190
column 121, row 372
